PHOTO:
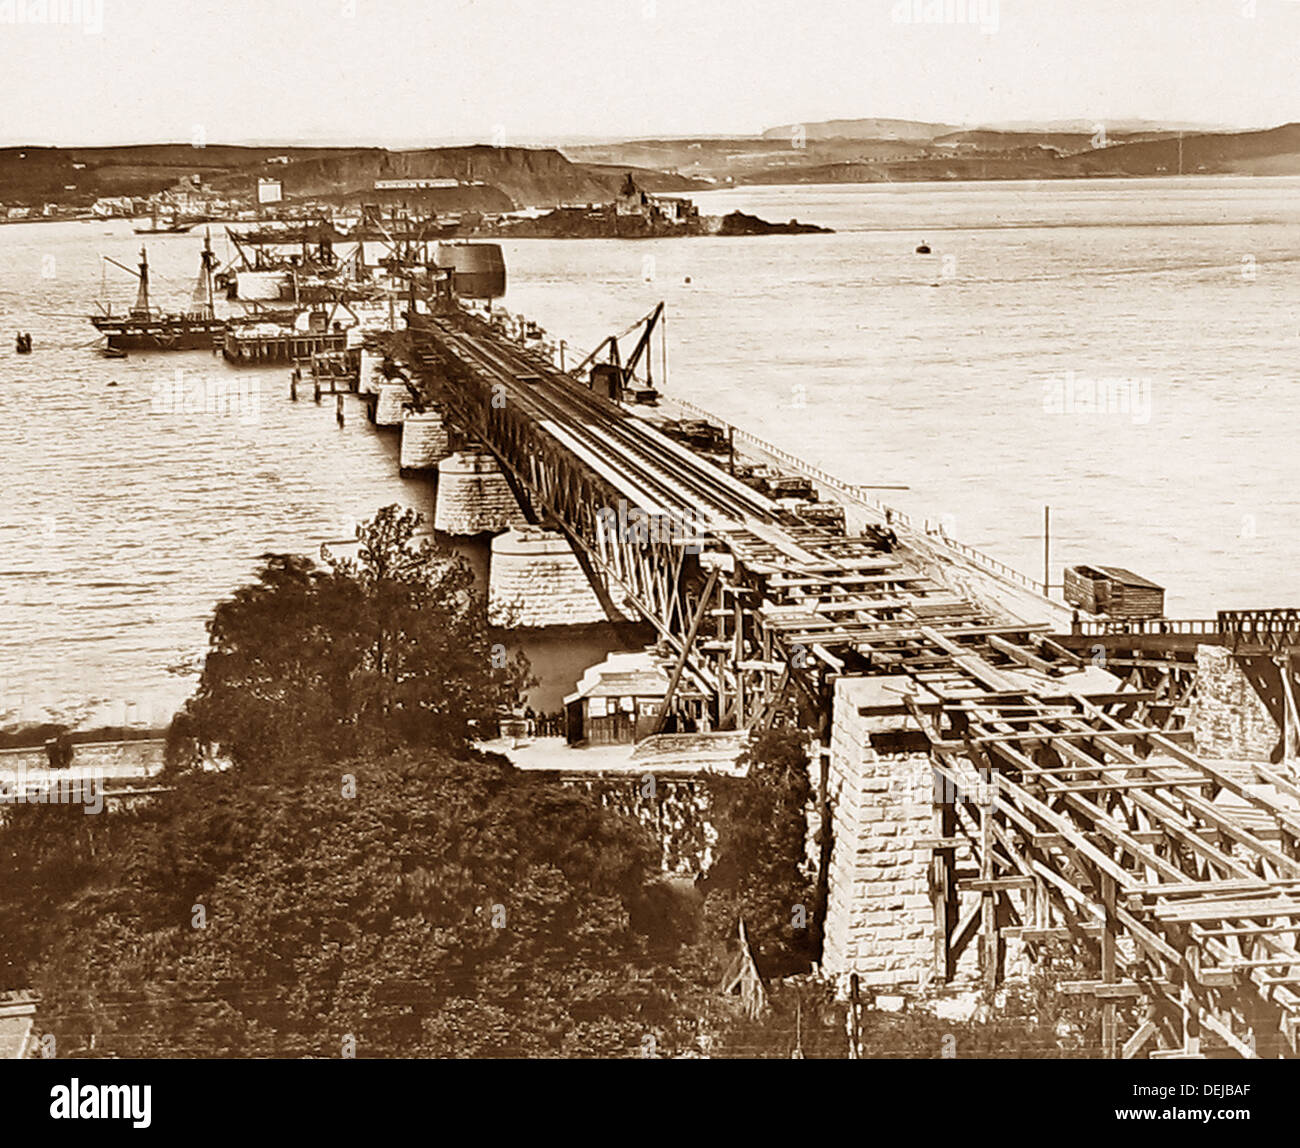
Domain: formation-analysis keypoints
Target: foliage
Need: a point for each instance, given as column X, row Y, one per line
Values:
column 760, row 873
column 803, row 1016
column 1030, row 1019
column 387, row 650
column 452, row 907
column 48, row 852
column 362, row 878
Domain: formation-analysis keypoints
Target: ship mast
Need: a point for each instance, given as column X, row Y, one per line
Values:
column 142, row 295
column 203, row 299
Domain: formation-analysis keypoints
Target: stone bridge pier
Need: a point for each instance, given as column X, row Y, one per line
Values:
column 534, row 578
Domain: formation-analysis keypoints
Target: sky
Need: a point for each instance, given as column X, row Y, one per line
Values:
column 527, row 71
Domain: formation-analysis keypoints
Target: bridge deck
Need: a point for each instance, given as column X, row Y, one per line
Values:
column 1176, row 877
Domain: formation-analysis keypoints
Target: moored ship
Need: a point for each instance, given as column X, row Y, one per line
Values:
column 146, row 328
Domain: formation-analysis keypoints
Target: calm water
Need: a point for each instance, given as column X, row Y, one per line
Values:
column 125, row 515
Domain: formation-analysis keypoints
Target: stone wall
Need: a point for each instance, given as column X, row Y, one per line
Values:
column 535, row 580
column 424, row 441
column 1228, row 719
column 473, row 496
column 676, row 810
column 391, row 405
column 879, row 919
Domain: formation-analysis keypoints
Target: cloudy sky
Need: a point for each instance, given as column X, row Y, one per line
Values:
column 109, row 71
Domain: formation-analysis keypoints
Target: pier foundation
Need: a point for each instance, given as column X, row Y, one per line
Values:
column 474, row 496
column 424, row 441
column 390, row 408
column 1229, row 720
column 535, row 580
column 370, row 375
column 879, row 915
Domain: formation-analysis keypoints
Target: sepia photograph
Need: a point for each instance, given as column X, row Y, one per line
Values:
column 628, row 530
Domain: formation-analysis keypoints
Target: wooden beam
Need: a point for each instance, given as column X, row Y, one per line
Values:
column 705, row 598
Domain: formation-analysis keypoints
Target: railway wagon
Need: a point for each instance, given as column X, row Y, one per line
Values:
column 1113, row 591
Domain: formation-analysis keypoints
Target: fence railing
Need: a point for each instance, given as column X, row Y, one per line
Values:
column 1093, row 628
column 859, row 494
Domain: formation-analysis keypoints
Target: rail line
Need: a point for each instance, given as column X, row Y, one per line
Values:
column 1175, row 879
column 677, row 477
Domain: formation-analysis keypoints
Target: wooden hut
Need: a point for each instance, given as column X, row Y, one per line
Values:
column 617, row 702
column 1113, row 591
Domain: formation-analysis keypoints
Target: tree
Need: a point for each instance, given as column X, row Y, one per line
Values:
column 760, row 873
column 386, row 650
column 452, row 906
column 363, row 880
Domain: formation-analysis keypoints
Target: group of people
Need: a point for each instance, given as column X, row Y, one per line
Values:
column 543, row 725
column 23, row 342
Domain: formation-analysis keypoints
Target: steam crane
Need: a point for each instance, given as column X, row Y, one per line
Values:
column 615, row 378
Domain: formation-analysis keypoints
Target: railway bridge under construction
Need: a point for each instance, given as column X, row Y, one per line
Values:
column 999, row 788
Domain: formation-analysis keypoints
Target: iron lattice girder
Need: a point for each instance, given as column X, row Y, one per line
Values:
column 1271, row 631
column 794, row 602
column 661, row 578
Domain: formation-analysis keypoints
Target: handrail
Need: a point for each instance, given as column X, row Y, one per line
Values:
column 858, row 493
column 1100, row 628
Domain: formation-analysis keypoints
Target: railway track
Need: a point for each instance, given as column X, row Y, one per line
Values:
column 675, row 478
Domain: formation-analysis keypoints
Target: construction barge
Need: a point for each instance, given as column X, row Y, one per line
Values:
column 266, row 344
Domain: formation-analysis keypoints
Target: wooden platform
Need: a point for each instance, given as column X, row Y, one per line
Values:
column 286, row 347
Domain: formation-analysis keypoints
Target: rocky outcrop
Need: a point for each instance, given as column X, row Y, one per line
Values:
column 738, row 223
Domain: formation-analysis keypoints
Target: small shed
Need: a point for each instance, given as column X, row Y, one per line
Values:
column 617, row 702
column 1113, row 591
column 607, row 380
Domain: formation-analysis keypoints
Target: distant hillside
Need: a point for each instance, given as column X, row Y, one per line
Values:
column 886, row 129
column 963, row 154
column 1113, row 127
column 873, row 129
column 81, row 175
column 493, row 179
column 498, row 179
column 1272, row 152
column 650, row 179
column 526, row 177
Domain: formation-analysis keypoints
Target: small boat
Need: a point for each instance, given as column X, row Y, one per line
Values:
column 923, row 249
column 22, row 343
column 112, row 352
column 166, row 223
